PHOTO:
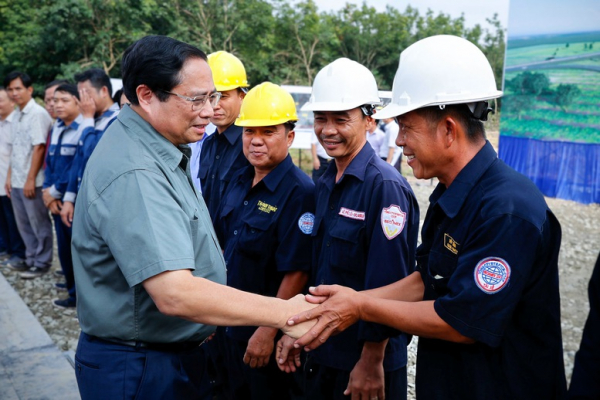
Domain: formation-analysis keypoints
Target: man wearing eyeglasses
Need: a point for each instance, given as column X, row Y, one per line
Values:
column 222, row 154
column 149, row 270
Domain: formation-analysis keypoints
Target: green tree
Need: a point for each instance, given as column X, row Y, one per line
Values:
column 303, row 41
column 529, row 83
column 565, row 95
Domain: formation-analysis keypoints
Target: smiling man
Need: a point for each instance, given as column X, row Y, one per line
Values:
column 149, row 270
column 264, row 225
column 222, row 154
column 484, row 300
column 365, row 236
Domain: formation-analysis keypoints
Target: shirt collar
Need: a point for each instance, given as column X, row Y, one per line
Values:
column 74, row 125
column 278, row 174
column 452, row 199
column 111, row 110
column 170, row 153
column 28, row 106
column 357, row 167
column 10, row 117
column 232, row 133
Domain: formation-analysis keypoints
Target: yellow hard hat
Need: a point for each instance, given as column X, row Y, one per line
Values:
column 228, row 71
column 267, row 104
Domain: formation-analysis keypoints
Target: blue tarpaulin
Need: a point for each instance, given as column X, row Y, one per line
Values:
column 567, row 170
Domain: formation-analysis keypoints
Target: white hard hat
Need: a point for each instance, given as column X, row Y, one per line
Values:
column 342, row 85
column 440, row 70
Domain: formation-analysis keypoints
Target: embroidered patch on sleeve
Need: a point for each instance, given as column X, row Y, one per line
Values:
column 392, row 221
column 306, row 223
column 492, row 274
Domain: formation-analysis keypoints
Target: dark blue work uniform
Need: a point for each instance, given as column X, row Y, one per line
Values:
column 88, row 141
column 265, row 232
column 585, row 383
column 489, row 259
column 59, row 162
column 222, row 157
column 366, row 229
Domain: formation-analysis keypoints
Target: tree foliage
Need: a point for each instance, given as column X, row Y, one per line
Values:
column 280, row 41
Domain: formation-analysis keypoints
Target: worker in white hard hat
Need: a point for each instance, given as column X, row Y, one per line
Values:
column 264, row 227
column 484, row 299
column 222, row 154
column 365, row 237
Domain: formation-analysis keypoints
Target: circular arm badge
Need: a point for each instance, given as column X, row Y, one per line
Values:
column 492, row 274
column 306, row 223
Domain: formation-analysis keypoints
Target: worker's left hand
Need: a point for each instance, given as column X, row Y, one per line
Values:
column 366, row 381
column 260, row 347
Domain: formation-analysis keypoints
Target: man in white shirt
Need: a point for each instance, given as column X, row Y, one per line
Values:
column 395, row 153
column 376, row 138
column 25, row 176
column 9, row 233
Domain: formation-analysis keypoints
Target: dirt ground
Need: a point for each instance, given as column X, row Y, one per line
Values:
column 579, row 249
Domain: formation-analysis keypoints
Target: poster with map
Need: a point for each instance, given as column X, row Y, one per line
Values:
column 550, row 123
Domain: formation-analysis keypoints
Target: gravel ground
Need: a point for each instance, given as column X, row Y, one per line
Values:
column 580, row 247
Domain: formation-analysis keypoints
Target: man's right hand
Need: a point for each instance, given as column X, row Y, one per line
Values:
column 87, row 106
column 66, row 214
column 297, row 305
column 339, row 308
column 55, row 207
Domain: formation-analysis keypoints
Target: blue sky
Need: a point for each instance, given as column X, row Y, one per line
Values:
column 475, row 12
column 530, row 17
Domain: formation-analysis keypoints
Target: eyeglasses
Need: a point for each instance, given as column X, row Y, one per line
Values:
column 199, row 101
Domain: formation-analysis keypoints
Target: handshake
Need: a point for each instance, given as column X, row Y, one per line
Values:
column 327, row 310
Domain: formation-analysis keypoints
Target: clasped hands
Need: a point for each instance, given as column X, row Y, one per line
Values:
column 337, row 307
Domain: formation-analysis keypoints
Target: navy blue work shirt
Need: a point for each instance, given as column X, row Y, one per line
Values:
column 265, row 230
column 366, row 228
column 222, row 157
column 489, row 259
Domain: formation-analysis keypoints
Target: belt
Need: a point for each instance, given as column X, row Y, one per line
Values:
column 167, row 347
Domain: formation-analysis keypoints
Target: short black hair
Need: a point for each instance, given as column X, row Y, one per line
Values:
column 117, row 96
column 289, row 126
column 473, row 127
column 56, row 82
column 26, row 79
column 155, row 61
column 68, row 88
column 97, row 78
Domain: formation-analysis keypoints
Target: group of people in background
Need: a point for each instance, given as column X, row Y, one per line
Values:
column 186, row 212
column 44, row 151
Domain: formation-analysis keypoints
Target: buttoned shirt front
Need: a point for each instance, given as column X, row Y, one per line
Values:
column 5, row 149
column 30, row 128
column 222, row 157
column 366, row 228
column 489, row 260
column 137, row 216
column 265, row 230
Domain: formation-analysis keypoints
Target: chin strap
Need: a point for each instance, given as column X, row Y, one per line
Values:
column 480, row 110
